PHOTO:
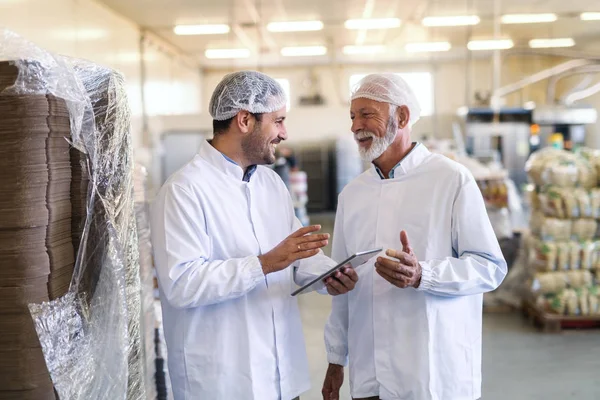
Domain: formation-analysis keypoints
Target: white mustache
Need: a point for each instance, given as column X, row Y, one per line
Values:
column 363, row 135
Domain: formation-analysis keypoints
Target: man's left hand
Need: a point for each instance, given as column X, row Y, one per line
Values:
column 405, row 270
column 342, row 282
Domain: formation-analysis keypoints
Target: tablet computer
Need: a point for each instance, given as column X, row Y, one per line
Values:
column 355, row 260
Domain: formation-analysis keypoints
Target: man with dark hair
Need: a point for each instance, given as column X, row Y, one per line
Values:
column 225, row 235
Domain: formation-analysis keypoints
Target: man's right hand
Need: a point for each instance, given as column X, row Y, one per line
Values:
column 297, row 246
column 333, row 382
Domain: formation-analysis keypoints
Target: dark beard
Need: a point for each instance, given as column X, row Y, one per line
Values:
column 256, row 151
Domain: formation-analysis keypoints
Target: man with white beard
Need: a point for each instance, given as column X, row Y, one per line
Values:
column 411, row 328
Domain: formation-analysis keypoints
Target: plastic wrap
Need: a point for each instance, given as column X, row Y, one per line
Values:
column 560, row 168
column 88, row 336
column 148, row 320
column 114, row 154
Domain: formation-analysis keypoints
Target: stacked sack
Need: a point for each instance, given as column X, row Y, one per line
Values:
column 564, row 250
column 36, row 250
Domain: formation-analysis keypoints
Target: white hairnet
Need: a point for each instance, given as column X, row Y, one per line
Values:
column 246, row 90
column 388, row 88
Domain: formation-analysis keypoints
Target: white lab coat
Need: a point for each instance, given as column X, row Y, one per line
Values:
column 415, row 344
column 231, row 332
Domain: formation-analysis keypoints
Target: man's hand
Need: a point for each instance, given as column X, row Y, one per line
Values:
column 295, row 247
column 333, row 382
column 406, row 272
column 342, row 282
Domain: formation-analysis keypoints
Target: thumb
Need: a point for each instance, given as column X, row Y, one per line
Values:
column 405, row 243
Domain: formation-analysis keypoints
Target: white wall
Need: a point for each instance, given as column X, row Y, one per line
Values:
column 90, row 30
column 455, row 83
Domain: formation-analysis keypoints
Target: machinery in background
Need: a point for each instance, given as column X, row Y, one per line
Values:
column 510, row 135
column 500, row 137
column 562, row 125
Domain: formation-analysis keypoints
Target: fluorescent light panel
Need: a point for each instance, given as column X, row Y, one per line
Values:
column 528, row 18
column 376, row 23
column 201, row 29
column 303, row 51
column 227, row 53
column 550, row 43
column 295, row 26
column 590, row 16
column 427, row 47
column 459, row 20
column 497, row 44
column 354, row 50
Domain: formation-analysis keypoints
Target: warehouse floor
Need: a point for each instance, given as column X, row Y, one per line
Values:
column 519, row 363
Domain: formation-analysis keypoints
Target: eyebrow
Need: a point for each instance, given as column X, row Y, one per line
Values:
column 362, row 110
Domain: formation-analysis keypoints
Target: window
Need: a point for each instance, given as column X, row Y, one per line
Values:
column 285, row 84
column 420, row 82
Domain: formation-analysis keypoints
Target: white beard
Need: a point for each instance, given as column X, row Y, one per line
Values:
column 378, row 144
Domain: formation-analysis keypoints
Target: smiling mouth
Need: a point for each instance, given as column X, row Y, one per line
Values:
column 364, row 141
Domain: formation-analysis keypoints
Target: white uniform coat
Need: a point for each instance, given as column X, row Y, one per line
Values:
column 425, row 343
column 231, row 331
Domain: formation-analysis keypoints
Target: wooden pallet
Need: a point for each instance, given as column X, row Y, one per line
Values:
column 554, row 323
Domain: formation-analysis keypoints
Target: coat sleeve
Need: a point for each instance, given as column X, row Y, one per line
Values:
column 307, row 269
column 477, row 265
column 182, row 250
column 336, row 328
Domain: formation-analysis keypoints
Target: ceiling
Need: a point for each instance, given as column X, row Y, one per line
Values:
column 248, row 20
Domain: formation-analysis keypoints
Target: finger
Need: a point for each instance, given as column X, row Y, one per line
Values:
column 337, row 286
column 305, row 254
column 394, row 278
column 405, row 242
column 393, row 253
column 403, row 257
column 387, row 277
column 312, row 238
column 345, row 280
column 386, row 263
column 312, row 245
column 393, row 267
column 332, row 291
column 351, row 273
column 305, row 231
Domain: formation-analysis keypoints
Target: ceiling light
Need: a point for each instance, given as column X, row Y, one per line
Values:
column 201, row 29
column 427, row 47
column 303, row 51
column 353, row 50
column 590, row 16
column 548, row 43
column 461, row 20
column 377, row 23
column 227, row 53
column 295, row 26
column 497, row 44
column 528, row 18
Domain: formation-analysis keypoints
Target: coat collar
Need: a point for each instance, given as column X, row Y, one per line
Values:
column 224, row 163
column 411, row 161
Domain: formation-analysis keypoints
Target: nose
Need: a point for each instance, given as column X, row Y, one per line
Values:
column 283, row 133
column 356, row 125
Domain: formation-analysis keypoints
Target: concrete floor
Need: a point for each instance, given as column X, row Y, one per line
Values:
column 519, row 363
